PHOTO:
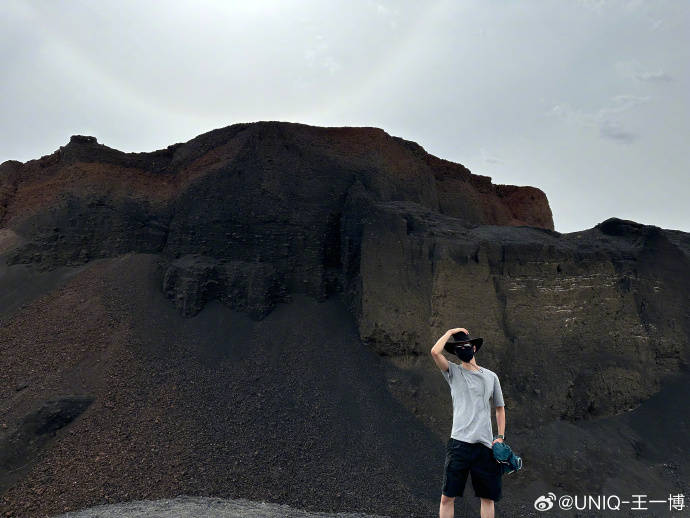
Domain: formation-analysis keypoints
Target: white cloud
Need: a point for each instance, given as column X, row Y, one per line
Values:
column 389, row 12
column 623, row 103
column 656, row 24
column 594, row 5
column 633, row 69
column 603, row 119
column 600, row 5
column 613, row 130
column 659, row 76
column 490, row 159
column 319, row 56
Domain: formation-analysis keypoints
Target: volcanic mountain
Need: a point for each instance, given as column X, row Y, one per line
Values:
column 249, row 315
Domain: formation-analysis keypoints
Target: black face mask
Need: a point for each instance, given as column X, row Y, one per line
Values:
column 465, row 353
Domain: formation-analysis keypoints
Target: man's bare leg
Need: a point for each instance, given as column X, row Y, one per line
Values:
column 447, row 507
column 487, row 509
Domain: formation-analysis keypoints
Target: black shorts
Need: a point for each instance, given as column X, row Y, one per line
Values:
column 463, row 458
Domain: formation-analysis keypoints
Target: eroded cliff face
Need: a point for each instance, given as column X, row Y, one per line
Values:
column 579, row 325
column 266, row 197
column 585, row 323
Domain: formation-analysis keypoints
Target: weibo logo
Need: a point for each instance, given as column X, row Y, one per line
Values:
column 544, row 503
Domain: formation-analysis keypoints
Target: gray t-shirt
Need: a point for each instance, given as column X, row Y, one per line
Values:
column 471, row 391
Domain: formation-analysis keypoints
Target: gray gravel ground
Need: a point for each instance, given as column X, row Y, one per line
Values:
column 202, row 507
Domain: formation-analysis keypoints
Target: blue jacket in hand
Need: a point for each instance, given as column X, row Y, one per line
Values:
column 508, row 459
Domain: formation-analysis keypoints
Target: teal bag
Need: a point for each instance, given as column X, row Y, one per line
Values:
column 503, row 454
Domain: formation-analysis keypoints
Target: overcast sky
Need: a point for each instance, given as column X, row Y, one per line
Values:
column 587, row 100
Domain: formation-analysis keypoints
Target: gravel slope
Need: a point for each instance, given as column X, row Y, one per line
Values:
column 214, row 405
column 292, row 409
column 200, row 507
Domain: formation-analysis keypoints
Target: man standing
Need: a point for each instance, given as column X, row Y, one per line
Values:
column 469, row 447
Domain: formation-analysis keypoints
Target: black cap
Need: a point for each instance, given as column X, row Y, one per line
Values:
column 460, row 338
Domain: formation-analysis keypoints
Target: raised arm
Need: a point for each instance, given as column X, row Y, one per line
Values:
column 437, row 349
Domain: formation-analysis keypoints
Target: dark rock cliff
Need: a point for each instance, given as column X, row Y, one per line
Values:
column 250, row 213
column 268, row 198
column 580, row 325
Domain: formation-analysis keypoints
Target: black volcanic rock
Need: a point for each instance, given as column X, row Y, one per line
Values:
column 193, row 280
column 253, row 312
column 264, row 179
